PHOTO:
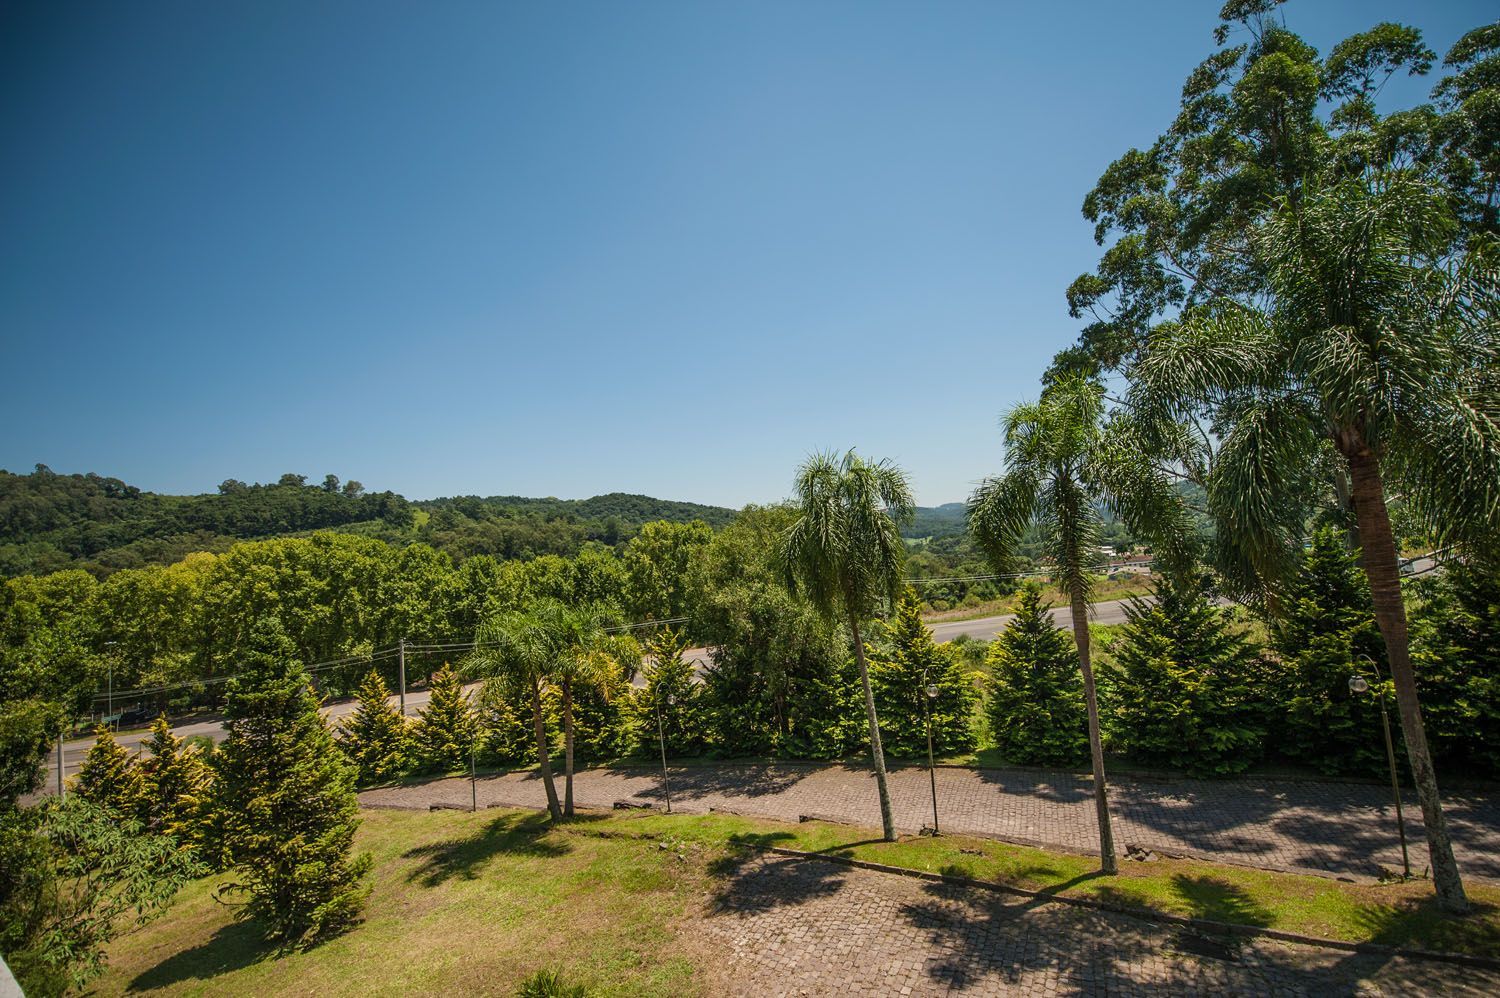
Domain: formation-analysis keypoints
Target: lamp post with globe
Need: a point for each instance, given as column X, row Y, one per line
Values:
column 1358, row 684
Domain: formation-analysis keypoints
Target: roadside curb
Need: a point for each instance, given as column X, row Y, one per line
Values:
column 1203, row 925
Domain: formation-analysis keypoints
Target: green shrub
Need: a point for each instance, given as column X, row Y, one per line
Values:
column 376, row 738
column 445, row 728
column 671, row 700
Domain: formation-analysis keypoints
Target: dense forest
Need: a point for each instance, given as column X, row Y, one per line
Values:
column 50, row 521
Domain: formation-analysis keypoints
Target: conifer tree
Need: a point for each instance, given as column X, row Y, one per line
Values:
column 503, row 722
column 174, row 777
column 1183, row 684
column 286, row 799
column 902, row 670
column 1327, row 633
column 445, row 728
column 1456, row 647
column 1036, row 707
column 672, row 697
column 375, row 737
column 109, row 778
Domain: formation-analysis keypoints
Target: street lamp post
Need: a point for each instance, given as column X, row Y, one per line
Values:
column 932, row 692
column 1358, row 684
column 661, row 734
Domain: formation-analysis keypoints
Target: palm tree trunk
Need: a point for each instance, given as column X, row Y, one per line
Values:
column 1379, row 557
column 877, row 757
column 541, row 753
column 1080, row 610
column 567, row 692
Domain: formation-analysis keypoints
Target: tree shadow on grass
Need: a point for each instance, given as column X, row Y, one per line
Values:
column 234, row 947
column 515, row 834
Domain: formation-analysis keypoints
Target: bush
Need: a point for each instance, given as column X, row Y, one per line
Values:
column 109, row 778
column 1182, row 685
column 1035, row 705
column 672, row 698
column 506, row 734
column 901, row 668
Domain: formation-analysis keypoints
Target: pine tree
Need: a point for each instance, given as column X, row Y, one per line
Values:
column 672, row 698
column 445, row 728
column 286, row 799
column 1326, row 633
column 109, row 778
column 174, row 778
column 900, row 672
column 1456, row 648
column 1036, row 708
column 375, row 737
column 1184, row 684
column 504, row 724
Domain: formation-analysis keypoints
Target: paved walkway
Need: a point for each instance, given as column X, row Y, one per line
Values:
column 807, row 927
column 1342, row 829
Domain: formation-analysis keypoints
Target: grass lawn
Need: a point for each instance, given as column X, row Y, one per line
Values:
column 474, row 903
column 1121, row 586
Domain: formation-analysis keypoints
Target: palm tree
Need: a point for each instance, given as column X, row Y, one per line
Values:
column 585, row 657
column 845, row 549
column 1376, row 354
column 1062, row 469
column 520, row 649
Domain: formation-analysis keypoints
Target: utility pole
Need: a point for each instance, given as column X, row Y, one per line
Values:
column 401, row 645
column 61, row 790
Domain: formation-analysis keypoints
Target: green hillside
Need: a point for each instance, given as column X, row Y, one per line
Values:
column 50, row 521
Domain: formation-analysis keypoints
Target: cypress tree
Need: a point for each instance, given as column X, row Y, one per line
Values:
column 109, row 778
column 174, row 778
column 504, row 724
column 1036, row 709
column 445, row 728
column 902, row 669
column 286, row 799
column 673, row 696
column 1183, row 684
column 1456, row 648
column 1324, row 635
column 375, row 736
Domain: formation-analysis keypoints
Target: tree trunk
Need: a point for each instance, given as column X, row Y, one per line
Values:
column 1096, row 745
column 567, row 692
column 543, row 762
column 1379, row 557
column 877, row 757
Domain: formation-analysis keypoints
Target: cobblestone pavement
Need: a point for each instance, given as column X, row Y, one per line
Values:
column 1342, row 829
column 808, row 927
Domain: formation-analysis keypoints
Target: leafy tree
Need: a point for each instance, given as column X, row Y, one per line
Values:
column 1035, row 702
column 445, row 728
column 516, row 650
column 672, row 697
column 1375, row 357
column 376, row 737
column 109, row 777
column 287, row 801
column 330, row 483
column 73, row 876
column 1184, row 684
column 1325, row 633
column 845, row 549
column 174, row 778
column 28, row 730
column 900, row 673
column 656, row 563
column 1063, row 469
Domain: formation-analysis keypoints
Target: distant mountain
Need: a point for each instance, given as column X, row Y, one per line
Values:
column 935, row 522
column 50, row 521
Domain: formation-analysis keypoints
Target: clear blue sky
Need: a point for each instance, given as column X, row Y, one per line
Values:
column 561, row 249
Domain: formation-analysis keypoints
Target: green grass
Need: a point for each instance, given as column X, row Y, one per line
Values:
column 476, row 903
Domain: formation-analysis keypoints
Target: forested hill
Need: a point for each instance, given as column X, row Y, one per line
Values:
column 50, row 521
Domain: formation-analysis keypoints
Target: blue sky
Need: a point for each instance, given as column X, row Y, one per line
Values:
column 561, row 249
